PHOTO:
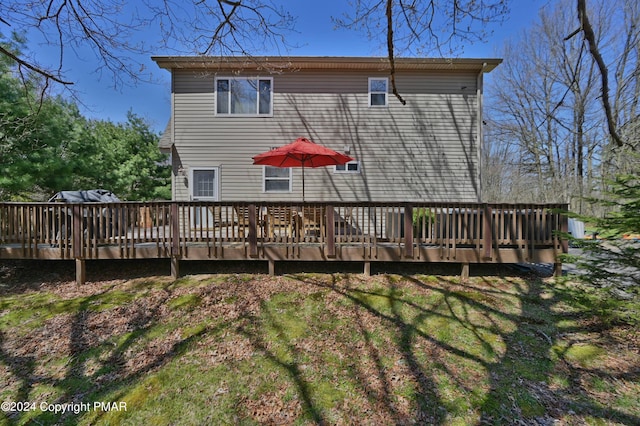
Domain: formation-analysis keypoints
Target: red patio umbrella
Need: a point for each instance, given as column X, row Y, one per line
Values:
column 301, row 153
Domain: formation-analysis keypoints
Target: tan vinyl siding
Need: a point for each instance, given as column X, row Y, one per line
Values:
column 424, row 150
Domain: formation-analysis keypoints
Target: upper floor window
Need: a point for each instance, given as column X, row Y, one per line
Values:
column 244, row 96
column 277, row 179
column 378, row 88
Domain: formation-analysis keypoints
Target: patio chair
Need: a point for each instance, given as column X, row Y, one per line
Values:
column 280, row 219
column 243, row 220
column 313, row 221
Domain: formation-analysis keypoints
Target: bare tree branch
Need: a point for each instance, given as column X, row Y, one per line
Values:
column 590, row 36
column 111, row 30
column 419, row 28
column 34, row 68
column 390, row 51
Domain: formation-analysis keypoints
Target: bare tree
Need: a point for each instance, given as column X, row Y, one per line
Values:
column 223, row 27
column 110, row 30
column 113, row 31
column 545, row 105
column 67, row 26
column 539, row 105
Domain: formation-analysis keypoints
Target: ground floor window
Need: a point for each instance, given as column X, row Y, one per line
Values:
column 277, row 179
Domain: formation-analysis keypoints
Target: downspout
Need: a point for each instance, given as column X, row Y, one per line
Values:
column 480, row 138
column 174, row 157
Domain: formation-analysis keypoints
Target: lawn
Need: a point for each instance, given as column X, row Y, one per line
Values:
column 313, row 349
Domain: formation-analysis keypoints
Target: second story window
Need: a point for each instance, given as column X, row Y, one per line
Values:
column 244, row 96
column 378, row 92
column 277, row 179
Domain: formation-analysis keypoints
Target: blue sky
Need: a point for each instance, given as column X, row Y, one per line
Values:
column 316, row 37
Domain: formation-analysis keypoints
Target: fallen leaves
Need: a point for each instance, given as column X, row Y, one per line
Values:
column 342, row 349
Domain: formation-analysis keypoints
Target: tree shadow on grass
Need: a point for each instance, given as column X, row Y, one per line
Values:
column 84, row 383
column 450, row 351
column 534, row 380
column 513, row 352
column 21, row 367
column 292, row 367
column 415, row 347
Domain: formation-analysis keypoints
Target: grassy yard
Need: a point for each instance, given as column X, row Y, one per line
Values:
column 315, row 349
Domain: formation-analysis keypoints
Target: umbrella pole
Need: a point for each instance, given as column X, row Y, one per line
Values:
column 303, row 182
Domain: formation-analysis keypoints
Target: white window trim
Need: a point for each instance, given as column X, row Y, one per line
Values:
column 370, row 92
column 215, row 103
column 346, row 171
column 216, row 196
column 264, row 182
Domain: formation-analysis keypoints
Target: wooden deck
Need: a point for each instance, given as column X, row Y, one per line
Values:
column 361, row 232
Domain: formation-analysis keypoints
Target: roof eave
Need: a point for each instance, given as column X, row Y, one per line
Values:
column 281, row 63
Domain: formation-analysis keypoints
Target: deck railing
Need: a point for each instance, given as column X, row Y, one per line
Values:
column 255, row 229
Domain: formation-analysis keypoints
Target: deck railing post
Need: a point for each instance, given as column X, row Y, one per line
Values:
column 531, row 216
column 330, row 231
column 564, row 230
column 488, row 232
column 408, row 230
column 174, row 220
column 564, row 242
column 77, row 233
column 253, row 231
column 76, row 230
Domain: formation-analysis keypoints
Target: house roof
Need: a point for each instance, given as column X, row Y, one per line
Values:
column 165, row 140
column 282, row 63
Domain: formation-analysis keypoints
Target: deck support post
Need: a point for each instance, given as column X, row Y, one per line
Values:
column 464, row 273
column 175, row 267
column 557, row 269
column 367, row 269
column 272, row 267
column 81, row 271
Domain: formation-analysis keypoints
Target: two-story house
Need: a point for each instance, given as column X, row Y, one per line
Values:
column 399, row 200
column 227, row 110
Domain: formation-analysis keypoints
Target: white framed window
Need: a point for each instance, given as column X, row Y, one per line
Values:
column 378, row 89
column 350, row 167
column 276, row 179
column 204, row 183
column 243, row 96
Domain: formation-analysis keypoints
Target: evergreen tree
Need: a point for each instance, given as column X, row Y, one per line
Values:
column 610, row 263
column 125, row 159
column 47, row 146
